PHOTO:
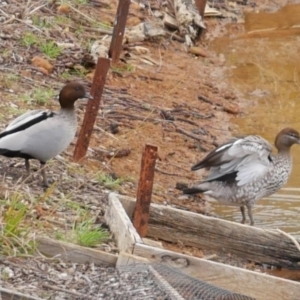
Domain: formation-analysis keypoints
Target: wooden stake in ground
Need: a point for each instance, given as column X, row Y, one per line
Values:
column 119, row 29
column 92, row 108
column 144, row 192
column 201, row 7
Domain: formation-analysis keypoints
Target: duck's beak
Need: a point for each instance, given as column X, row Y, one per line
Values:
column 88, row 96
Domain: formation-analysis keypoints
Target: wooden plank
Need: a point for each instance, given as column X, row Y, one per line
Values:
column 191, row 229
column 153, row 243
column 253, row 284
column 120, row 225
column 7, row 294
column 126, row 259
column 74, row 253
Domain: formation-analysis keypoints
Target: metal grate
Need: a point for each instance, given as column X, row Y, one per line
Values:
column 159, row 281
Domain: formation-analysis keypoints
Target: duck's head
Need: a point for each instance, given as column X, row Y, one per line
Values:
column 70, row 93
column 286, row 138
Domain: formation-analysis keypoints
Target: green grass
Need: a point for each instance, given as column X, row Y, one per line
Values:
column 29, row 39
column 89, row 235
column 85, row 233
column 65, row 75
column 109, row 182
column 40, row 96
column 126, row 68
column 50, row 49
column 16, row 237
column 41, row 22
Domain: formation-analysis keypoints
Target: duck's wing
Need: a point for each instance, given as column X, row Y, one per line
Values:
column 248, row 157
column 26, row 120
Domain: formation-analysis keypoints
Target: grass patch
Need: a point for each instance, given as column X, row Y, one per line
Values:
column 50, row 49
column 123, row 69
column 39, row 96
column 89, row 235
column 16, row 237
column 41, row 22
column 109, row 181
column 85, row 233
column 29, row 39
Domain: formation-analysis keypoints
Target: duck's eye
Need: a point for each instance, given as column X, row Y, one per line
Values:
column 293, row 135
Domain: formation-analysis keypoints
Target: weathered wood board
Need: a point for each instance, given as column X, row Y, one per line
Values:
column 253, row 284
column 120, row 224
column 238, row 280
column 74, row 253
column 256, row 244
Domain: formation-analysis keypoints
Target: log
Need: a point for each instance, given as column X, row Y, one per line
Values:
column 242, row 281
column 74, row 253
column 120, row 224
column 191, row 229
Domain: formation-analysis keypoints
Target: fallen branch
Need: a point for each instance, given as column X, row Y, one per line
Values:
column 191, row 135
column 166, row 173
column 204, row 99
column 117, row 153
column 55, row 288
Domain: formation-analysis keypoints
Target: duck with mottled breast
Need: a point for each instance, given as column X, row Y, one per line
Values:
column 43, row 134
column 243, row 170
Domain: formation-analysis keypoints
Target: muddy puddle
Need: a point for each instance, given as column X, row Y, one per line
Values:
column 262, row 56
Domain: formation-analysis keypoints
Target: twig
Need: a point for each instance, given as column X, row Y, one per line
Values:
column 166, row 173
column 29, row 25
column 98, row 30
column 191, row 135
column 55, row 288
column 290, row 237
column 160, row 60
column 82, row 14
column 187, row 121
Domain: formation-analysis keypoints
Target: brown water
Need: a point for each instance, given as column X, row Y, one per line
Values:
column 264, row 67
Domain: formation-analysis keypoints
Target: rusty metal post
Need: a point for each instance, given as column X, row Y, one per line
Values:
column 144, row 192
column 91, row 108
column 119, row 29
column 201, row 7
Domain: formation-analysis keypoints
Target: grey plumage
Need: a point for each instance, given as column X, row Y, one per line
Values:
column 244, row 170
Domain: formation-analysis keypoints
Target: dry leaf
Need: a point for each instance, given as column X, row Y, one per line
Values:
column 198, row 51
column 64, row 9
column 42, row 63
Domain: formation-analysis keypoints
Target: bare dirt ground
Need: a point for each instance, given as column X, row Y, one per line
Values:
column 173, row 99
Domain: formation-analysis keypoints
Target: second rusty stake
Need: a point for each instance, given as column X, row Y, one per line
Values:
column 144, row 192
column 92, row 109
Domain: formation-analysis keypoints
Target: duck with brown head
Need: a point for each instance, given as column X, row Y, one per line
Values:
column 243, row 170
column 43, row 134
